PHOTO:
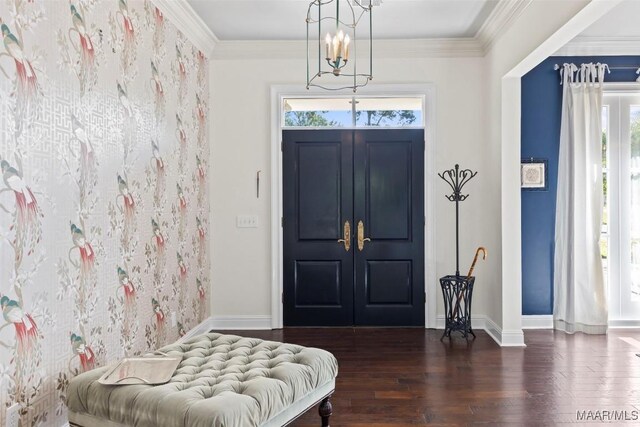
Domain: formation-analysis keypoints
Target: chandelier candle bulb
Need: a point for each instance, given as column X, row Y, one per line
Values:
column 347, row 40
column 327, row 42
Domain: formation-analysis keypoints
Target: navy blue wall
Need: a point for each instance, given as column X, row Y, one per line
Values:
column 541, row 108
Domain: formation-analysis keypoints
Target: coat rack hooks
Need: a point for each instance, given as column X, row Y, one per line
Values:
column 457, row 178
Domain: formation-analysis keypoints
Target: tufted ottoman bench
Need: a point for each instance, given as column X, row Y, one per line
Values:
column 222, row 381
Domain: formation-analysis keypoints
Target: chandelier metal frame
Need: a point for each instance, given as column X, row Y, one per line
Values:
column 356, row 12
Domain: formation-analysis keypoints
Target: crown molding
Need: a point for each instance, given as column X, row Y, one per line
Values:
column 182, row 15
column 259, row 49
column 288, row 49
column 501, row 17
column 600, row 46
column 428, row 48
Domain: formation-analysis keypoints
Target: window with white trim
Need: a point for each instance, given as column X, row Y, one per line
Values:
column 348, row 112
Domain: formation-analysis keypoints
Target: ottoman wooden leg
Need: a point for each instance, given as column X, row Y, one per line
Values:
column 325, row 411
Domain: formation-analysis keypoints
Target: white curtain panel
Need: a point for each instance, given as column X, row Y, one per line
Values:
column 580, row 300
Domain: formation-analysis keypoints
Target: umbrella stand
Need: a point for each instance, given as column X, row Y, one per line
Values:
column 456, row 289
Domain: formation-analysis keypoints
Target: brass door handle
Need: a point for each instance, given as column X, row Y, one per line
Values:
column 361, row 238
column 346, row 233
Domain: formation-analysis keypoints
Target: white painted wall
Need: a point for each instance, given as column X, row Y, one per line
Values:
column 241, row 137
column 535, row 25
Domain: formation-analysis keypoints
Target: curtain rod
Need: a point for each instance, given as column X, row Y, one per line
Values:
column 618, row 67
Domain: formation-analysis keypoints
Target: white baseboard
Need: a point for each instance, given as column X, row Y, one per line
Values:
column 493, row 330
column 623, row 324
column 477, row 321
column 537, row 321
column 545, row 321
column 240, row 322
column 513, row 338
column 201, row 328
column 506, row 338
column 223, row 323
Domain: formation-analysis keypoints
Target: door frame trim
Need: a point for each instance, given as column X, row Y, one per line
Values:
column 427, row 92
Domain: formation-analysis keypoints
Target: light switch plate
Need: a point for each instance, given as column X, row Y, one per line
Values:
column 174, row 322
column 13, row 415
column 247, row 221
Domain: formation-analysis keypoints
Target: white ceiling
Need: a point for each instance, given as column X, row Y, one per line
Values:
column 622, row 21
column 394, row 19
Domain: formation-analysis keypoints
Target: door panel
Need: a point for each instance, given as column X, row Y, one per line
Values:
column 389, row 200
column 318, row 283
column 319, row 194
column 318, row 199
column 390, row 282
column 388, row 183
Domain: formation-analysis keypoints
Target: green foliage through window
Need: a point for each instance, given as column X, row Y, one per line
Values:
column 386, row 117
column 308, row 119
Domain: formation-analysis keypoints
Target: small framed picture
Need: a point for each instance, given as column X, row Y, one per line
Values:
column 533, row 174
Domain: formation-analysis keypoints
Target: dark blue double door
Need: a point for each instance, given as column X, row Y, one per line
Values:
column 353, row 227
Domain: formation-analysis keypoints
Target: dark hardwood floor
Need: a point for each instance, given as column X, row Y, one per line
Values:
column 394, row 377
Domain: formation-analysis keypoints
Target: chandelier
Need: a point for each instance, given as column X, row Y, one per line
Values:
column 337, row 67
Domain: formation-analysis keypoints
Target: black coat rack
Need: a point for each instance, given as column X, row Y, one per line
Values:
column 457, row 290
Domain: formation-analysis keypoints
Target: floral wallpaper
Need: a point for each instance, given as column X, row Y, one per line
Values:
column 103, row 197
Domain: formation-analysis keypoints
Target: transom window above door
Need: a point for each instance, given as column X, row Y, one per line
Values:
column 353, row 112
